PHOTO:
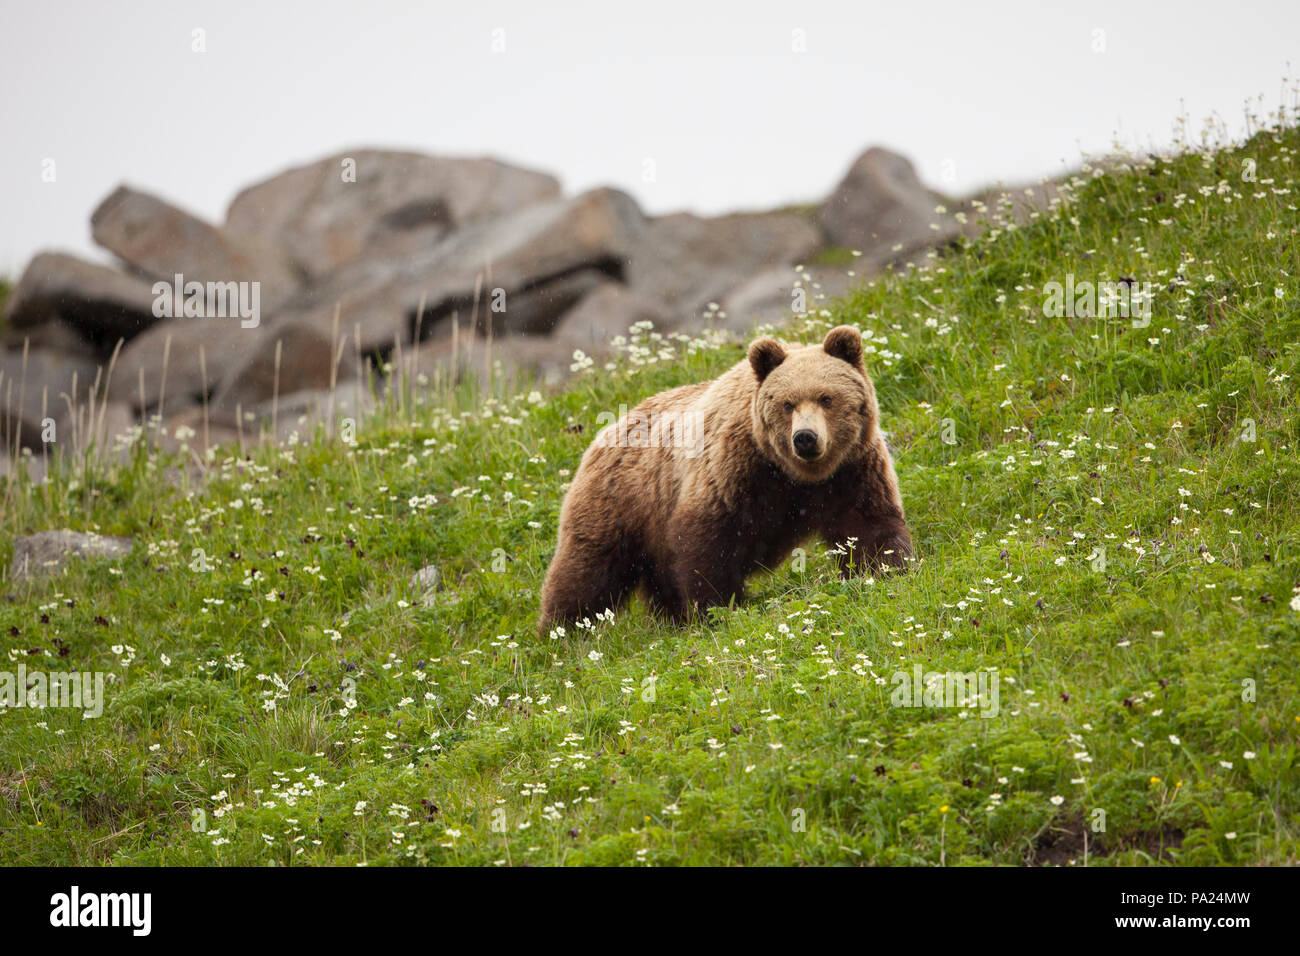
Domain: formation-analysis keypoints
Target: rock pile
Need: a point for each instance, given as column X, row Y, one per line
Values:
column 333, row 268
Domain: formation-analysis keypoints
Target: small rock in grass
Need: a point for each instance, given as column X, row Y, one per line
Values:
column 47, row 552
column 425, row 581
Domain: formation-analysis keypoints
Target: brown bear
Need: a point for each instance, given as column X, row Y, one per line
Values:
column 701, row 485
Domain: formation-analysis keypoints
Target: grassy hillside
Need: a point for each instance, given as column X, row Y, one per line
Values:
column 298, row 702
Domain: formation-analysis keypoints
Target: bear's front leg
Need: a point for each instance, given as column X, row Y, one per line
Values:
column 870, row 529
column 706, row 568
column 869, row 541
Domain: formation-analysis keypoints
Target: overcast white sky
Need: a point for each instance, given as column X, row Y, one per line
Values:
column 714, row 93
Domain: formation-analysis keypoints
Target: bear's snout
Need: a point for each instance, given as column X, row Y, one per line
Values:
column 808, row 431
column 806, row 444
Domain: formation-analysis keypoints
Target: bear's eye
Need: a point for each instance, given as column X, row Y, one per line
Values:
column 789, row 407
column 825, row 401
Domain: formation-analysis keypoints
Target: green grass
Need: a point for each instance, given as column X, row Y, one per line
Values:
column 298, row 704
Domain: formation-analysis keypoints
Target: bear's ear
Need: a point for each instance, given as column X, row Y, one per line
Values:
column 765, row 355
column 844, row 342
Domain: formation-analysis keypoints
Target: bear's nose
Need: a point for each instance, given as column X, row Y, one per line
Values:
column 805, row 443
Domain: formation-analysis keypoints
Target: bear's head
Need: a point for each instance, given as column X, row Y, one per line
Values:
column 815, row 407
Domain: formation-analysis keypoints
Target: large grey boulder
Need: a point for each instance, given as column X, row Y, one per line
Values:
column 777, row 296
column 98, row 305
column 607, row 313
column 234, row 367
column 301, row 412
column 160, row 242
column 380, row 204
column 112, row 430
column 48, row 552
column 881, row 204
column 185, row 431
column 173, row 375
column 510, row 361
column 43, row 385
column 55, row 336
column 57, row 404
column 253, row 378
column 534, row 263
column 687, row 261
column 539, row 308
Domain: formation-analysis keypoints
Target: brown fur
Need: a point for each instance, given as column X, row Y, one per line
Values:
column 687, row 523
